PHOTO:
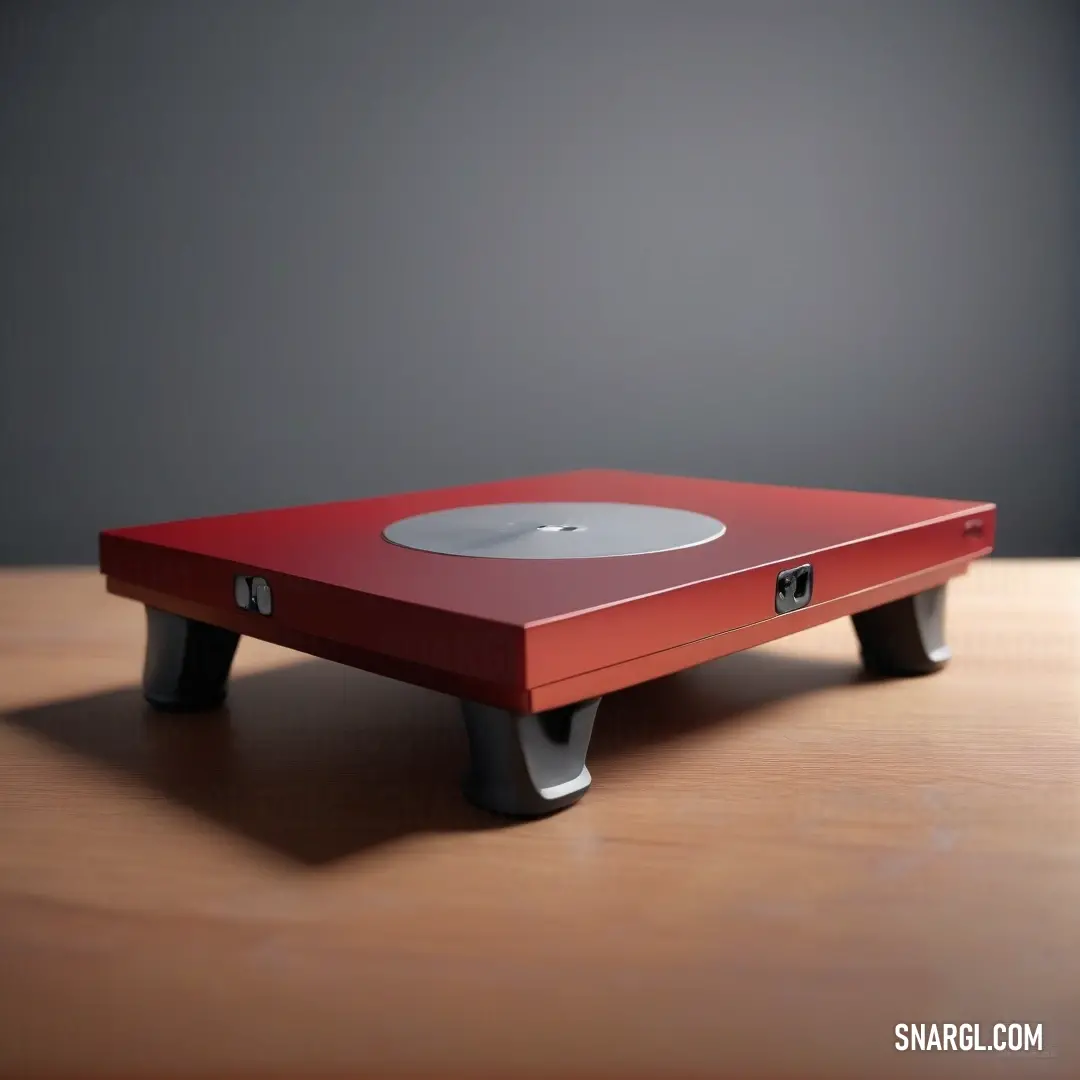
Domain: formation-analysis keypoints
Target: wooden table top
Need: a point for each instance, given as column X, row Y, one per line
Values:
column 778, row 862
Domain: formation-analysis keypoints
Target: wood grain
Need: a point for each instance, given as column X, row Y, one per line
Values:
column 778, row 862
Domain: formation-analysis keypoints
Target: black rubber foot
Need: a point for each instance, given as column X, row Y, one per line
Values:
column 906, row 637
column 187, row 662
column 528, row 765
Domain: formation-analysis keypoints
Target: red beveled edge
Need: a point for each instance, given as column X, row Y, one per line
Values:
column 614, row 677
column 500, row 695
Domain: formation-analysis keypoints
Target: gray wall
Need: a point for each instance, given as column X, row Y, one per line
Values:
column 264, row 253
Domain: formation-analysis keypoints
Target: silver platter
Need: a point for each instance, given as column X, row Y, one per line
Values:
column 573, row 530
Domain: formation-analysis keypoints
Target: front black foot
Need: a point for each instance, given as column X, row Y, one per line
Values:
column 526, row 765
column 906, row 637
column 187, row 662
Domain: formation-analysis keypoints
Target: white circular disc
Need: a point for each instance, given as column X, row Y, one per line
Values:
column 573, row 530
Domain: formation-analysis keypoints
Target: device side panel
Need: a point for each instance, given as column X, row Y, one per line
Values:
column 562, row 648
column 656, row 665
column 454, row 644
column 503, row 696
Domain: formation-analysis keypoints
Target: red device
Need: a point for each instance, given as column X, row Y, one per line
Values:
column 529, row 599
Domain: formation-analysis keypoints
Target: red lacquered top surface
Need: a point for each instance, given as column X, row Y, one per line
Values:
column 341, row 544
